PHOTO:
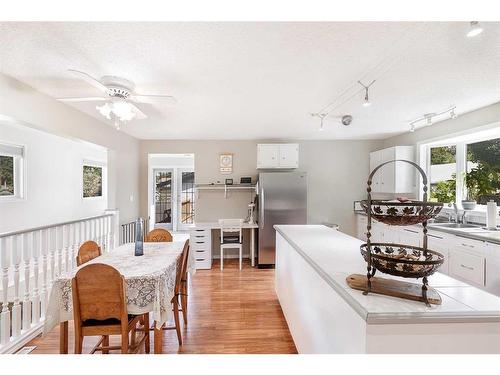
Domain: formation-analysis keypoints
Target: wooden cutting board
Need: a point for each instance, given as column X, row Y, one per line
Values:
column 394, row 288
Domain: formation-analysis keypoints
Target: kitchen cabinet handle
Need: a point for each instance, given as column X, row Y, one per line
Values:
column 464, row 244
column 412, row 231
column 433, row 236
column 467, row 267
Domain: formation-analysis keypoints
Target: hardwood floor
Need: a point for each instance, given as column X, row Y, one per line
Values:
column 229, row 312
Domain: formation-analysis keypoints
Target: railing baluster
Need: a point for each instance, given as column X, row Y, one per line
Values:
column 27, row 243
column 44, row 241
column 5, row 315
column 59, row 248
column 65, row 246
column 52, row 235
column 16, row 308
column 37, row 242
column 74, row 244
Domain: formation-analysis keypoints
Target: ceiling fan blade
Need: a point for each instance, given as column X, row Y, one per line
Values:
column 89, row 79
column 153, row 98
column 138, row 113
column 87, row 99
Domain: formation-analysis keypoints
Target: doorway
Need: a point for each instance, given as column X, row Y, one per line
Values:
column 172, row 196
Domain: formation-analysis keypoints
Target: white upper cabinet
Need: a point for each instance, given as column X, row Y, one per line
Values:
column 394, row 178
column 278, row 155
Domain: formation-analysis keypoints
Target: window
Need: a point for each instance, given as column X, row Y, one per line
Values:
column 465, row 167
column 92, row 181
column 482, row 179
column 11, row 171
column 442, row 173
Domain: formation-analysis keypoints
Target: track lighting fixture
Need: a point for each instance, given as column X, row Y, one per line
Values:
column 475, row 29
column 321, row 116
column 429, row 118
column 366, row 102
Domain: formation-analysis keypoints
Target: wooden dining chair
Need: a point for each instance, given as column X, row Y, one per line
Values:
column 88, row 251
column 99, row 309
column 184, row 281
column 181, row 262
column 158, row 235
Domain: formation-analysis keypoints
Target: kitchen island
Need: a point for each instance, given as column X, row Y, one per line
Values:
column 324, row 315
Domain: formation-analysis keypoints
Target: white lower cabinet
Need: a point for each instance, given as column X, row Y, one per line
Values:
column 200, row 243
column 467, row 267
column 467, row 260
column 493, row 268
column 440, row 243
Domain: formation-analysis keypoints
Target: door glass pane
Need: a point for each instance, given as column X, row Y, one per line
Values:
column 187, row 198
column 443, row 174
column 483, row 171
column 163, row 197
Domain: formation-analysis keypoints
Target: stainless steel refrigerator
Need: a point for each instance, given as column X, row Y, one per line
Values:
column 282, row 199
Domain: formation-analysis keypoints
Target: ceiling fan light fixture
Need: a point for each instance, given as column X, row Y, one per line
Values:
column 475, row 29
column 121, row 110
column 105, row 110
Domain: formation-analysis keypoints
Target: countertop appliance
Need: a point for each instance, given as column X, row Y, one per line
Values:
column 282, row 199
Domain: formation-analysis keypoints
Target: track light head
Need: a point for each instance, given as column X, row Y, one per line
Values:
column 475, row 29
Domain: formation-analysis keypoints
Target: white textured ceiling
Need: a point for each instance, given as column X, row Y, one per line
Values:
column 262, row 80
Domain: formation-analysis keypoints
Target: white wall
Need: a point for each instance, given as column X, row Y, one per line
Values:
column 53, row 186
column 337, row 171
column 23, row 104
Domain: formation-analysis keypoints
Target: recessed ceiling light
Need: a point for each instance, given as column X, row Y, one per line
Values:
column 475, row 29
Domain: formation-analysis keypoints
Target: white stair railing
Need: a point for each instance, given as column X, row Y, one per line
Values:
column 31, row 259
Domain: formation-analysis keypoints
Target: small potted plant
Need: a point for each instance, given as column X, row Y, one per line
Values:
column 470, row 187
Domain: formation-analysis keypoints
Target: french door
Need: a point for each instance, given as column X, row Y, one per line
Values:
column 163, row 198
column 185, row 198
column 174, row 198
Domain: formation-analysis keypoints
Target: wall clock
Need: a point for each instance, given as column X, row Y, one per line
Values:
column 226, row 163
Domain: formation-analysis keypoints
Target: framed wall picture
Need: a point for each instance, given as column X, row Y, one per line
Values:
column 92, row 178
column 226, row 163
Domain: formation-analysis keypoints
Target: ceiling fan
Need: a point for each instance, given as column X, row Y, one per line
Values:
column 119, row 97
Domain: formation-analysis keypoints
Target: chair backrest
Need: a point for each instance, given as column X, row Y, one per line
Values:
column 181, row 267
column 88, row 251
column 99, row 293
column 230, row 226
column 159, row 235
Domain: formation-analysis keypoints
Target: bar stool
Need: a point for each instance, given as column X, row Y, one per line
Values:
column 228, row 238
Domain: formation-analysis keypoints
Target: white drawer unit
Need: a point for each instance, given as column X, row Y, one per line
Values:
column 200, row 244
column 467, row 267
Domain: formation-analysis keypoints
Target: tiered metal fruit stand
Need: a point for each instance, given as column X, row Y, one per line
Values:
column 399, row 259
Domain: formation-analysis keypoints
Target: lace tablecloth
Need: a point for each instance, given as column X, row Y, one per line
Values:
column 150, row 281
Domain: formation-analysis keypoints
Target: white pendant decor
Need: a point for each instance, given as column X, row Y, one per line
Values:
column 226, row 163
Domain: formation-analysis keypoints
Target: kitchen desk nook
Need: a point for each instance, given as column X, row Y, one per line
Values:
column 325, row 315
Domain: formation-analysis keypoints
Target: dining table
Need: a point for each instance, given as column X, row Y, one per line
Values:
column 150, row 283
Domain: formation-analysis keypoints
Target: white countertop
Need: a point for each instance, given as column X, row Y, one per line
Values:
column 335, row 255
column 216, row 225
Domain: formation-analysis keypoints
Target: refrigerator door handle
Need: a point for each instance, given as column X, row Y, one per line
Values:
column 261, row 208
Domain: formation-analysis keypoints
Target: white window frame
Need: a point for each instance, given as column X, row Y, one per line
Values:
column 460, row 140
column 99, row 164
column 18, row 152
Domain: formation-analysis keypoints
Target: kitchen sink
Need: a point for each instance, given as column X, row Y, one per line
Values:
column 455, row 225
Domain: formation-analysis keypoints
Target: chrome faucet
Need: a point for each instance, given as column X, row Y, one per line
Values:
column 459, row 219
